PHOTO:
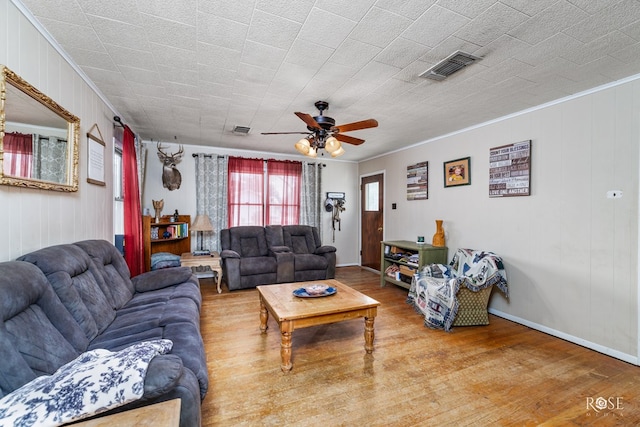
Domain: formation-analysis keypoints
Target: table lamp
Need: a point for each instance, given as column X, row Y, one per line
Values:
column 200, row 225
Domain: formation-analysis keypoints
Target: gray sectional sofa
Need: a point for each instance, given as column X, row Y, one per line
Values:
column 253, row 255
column 61, row 301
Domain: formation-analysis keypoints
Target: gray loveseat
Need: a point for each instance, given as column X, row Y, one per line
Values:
column 254, row 255
column 60, row 301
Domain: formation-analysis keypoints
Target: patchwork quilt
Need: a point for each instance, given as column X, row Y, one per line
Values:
column 434, row 289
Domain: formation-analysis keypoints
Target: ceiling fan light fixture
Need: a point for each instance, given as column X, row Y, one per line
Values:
column 303, row 146
column 321, row 130
column 339, row 152
column 332, row 144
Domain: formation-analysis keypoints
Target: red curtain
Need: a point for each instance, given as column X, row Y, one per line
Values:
column 18, row 154
column 283, row 192
column 245, row 191
column 134, row 249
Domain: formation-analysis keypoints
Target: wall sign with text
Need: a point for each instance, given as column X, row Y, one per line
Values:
column 510, row 170
column 418, row 181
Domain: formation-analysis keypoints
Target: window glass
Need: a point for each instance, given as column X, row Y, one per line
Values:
column 372, row 196
column 263, row 194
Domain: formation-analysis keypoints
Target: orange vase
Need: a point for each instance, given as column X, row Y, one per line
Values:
column 438, row 238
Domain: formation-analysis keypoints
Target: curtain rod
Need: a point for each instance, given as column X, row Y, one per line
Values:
column 118, row 120
column 222, row 157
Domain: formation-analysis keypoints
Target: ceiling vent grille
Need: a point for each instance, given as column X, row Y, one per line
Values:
column 243, row 130
column 453, row 63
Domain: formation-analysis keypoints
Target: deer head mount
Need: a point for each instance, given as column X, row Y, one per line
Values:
column 171, row 178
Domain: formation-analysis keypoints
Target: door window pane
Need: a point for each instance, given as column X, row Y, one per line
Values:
column 372, row 196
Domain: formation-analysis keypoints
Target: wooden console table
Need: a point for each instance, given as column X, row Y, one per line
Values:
column 163, row 414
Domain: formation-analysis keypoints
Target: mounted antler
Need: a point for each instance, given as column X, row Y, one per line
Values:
column 171, row 178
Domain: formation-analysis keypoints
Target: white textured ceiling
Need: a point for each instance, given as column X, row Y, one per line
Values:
column 194, row 69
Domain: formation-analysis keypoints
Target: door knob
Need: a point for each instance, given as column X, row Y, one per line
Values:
column 379, row 228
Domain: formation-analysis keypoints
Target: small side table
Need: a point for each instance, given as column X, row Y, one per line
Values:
column 164, row 414
column 204, row 265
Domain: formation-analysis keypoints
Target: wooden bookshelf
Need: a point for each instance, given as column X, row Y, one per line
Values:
column 427, row 254
column 178, row 243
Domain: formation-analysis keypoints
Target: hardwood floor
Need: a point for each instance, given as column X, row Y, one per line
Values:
column 501, row 374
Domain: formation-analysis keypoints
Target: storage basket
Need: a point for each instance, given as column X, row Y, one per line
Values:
column 472, row 308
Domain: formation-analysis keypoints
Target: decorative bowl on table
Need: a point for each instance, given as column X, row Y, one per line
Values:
column 316, row 289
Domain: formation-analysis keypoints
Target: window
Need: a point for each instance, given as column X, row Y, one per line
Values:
column 118, row 191
column 372, row 196
column 263, row 192
column 283, row 194
column 18, row 154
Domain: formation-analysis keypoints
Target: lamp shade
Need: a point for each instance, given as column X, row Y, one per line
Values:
column 332, row 144
column 312, row 152
column 303, row 146
column 201, row 223
column 339, row 152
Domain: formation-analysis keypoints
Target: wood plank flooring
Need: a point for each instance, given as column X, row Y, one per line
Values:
column 502, row 374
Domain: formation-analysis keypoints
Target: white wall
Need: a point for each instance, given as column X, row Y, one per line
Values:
column 336, row 176
column 571, row 254
column 37, row 218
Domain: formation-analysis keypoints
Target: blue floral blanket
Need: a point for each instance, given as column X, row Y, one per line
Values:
column 434, row 289
column 94, row 382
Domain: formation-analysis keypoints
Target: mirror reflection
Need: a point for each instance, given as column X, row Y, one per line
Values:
column 39, row 143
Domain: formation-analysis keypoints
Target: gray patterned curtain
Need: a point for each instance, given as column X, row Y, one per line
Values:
column 49, row 158
column 141, row 160
column 211, row 195
column 311, row 196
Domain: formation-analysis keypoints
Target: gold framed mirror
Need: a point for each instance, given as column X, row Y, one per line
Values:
column 38, row 138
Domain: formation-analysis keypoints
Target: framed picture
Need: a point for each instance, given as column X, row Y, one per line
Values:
column 457, row 172
column 95, row 157
column 418, row 181
column 510, row 170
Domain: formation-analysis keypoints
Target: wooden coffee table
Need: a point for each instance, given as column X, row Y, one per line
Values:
column 292, row 312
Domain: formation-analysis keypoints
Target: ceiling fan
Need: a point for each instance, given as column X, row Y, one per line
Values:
column 323, row 133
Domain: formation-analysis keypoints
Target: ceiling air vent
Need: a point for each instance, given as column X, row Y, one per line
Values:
column 243, row 130
column 454, row 62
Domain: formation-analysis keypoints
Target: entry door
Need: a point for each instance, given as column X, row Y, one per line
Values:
column 372, row 202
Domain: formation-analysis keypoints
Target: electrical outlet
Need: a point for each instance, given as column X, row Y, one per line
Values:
column 614, row 194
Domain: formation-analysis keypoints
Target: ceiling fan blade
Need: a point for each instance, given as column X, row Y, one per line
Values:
column 364, row 124
column 283, row 133
column 348, row 139
column 310, row 121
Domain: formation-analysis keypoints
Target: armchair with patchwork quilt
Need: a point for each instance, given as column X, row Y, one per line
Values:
column 458, row 294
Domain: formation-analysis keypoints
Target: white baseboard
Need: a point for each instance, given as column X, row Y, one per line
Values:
column 582, row 342
column 348, row 265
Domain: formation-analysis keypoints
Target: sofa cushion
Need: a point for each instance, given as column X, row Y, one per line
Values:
column 300, row 239
column 258, row 265
column 78, row 283
column 248, row 241
column 274, row 236
column 37, row 333
column 310, row 262
column 175, row 318
column 114, row 269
